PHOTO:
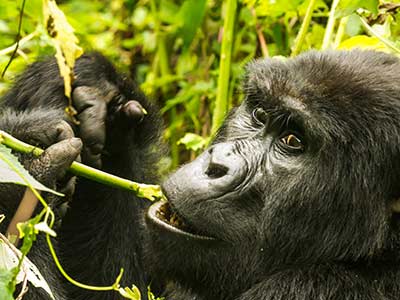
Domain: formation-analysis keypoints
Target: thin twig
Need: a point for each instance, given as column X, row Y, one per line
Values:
column 18, row 38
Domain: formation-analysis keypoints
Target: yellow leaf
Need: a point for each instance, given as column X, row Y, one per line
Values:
column 363, row 42
column 65, row 41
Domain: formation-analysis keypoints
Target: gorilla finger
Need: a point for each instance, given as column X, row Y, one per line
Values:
column 133, row 110
column 93, row 133
column 64, row 131
column 54, row 134
column 84, row 97
column 92, row 128
column 60, row 156
column 92, row 113
column 55, row 160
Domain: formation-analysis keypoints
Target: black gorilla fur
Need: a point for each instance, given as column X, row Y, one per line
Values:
column 296, row 199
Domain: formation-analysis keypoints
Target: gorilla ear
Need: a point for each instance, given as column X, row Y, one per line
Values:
column 395, row 205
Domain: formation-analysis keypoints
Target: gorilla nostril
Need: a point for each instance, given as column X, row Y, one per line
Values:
column 216, row 171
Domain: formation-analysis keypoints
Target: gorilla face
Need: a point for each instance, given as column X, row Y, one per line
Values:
column 297, row 174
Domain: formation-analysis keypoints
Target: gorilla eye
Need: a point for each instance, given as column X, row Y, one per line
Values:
column 292, row 142
column 260, row 116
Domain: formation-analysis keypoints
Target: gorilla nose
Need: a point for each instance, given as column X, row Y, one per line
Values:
column 220, row 160
column 215, row 172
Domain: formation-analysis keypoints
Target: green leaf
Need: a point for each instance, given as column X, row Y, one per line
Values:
column 9, row 260
column 277, row 8
column 354, row 25
column 347, row 7
column 191, row 14
column 193, row 141
column 28, row 232
column 6, row 286
column 11, row 171
column 167, row 12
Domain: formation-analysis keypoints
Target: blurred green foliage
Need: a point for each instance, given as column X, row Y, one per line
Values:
column 173, row 47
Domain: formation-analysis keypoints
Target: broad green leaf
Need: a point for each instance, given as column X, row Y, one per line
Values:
column 11, row 171
column 347, row 7
column 200, row 88
column 6, row 276
column 191, row 14
column 9, row 259
column 354, row 25
column 33, row 8
column 278, row 8
column 168, row 12
column 193, row 141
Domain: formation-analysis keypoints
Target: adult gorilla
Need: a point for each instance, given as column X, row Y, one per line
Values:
column 295, row 199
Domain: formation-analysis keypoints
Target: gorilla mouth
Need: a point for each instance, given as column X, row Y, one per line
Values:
column 168, row 216
column 163, row 215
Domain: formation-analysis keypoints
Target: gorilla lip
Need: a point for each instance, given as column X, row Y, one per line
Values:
column 162, row 214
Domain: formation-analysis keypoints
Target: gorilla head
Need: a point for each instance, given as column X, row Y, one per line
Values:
column 305, row 172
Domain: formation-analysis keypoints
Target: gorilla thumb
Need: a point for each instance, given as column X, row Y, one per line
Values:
column 55, row 160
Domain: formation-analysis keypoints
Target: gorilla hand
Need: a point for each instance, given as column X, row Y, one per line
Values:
column 50, row 169
column 43, row 128
column 51, row 166
column 97, row 109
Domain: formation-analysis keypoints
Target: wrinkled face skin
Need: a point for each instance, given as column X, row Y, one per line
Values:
column 297, row 174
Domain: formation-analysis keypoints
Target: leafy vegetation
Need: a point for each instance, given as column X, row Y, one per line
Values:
column 176, row 49
column 188, row 56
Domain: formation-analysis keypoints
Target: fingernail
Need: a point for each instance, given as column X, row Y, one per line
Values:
column 76, row 142
column 134, row 110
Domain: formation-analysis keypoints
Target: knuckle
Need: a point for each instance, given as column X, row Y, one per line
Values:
column 64, row 131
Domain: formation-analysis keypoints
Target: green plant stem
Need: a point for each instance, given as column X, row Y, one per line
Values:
column 222, row 101
column 340, row 32
column 151, row 192
column 385, row 41
column 303, row 29
column 165, row 71
column 329, row 26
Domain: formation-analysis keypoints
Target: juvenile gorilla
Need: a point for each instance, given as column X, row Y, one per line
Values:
column 297, row 198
